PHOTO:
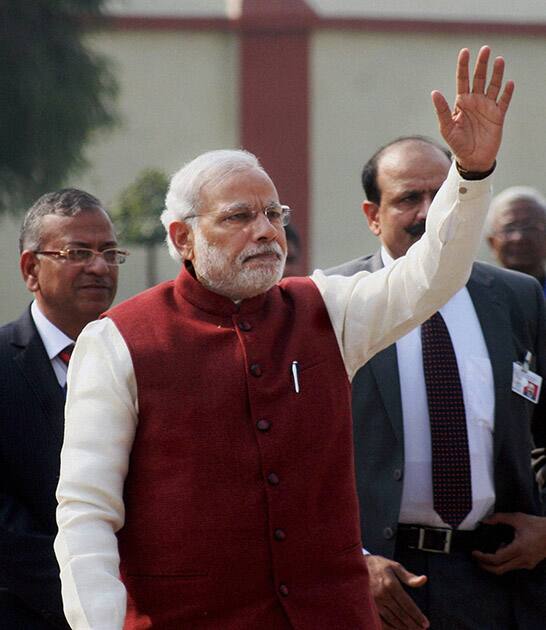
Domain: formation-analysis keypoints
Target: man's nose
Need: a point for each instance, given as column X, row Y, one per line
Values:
column 97, row 265
column 262, row 228
column 423, row 209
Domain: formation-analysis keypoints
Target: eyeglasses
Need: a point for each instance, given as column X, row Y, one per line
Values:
column 84, row 255
column 526, row 229
column 277, row 215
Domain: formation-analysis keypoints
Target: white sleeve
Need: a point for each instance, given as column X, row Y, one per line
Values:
column 369, row 311
column 100, row 423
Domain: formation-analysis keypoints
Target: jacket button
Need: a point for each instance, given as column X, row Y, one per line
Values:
column 397, row 474
column 263, row 425
column 244, row 326
column 279, row 534
column 388, row 533
column 283, row 590
column 273, row 479
column 256, row 369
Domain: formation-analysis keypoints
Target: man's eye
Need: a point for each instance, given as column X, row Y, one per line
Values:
column 239, row 217
column 274, row 216
column 111, row 256
column 79, row 255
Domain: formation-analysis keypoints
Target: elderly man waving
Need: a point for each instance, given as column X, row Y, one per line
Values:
column 207, row 477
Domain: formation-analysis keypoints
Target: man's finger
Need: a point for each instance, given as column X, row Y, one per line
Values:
column 408, row 578
column 496, row 79
column 391, row 619
column 401, row 604
column 506, row 97
column 443, row 112
column 505, row 554
column 480, row 70
column 500, row 569
column 462, row 82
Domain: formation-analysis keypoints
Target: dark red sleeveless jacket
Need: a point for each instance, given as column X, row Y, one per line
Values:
column 241, row 510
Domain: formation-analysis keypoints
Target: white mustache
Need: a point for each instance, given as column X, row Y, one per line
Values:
column 264, row 248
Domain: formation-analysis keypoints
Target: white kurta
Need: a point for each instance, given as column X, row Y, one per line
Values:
column 368, row 312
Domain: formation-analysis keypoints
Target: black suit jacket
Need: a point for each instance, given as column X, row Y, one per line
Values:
column 31, row 434
column 510, row 308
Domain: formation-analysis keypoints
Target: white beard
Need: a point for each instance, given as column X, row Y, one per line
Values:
column 236, row 280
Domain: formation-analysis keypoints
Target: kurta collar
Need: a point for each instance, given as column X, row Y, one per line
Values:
column 191, row 290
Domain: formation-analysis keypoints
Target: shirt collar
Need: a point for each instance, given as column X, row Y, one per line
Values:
column 54, row 340
column 386, row 258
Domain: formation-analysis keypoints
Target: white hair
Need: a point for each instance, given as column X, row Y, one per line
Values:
column 507, row 197
column 183, row 196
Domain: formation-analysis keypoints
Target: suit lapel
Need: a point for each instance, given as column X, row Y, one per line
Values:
column 384, row 367
column 375, row 263
column 495, row 324
column 34, row 364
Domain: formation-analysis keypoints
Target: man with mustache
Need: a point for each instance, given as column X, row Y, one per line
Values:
column 207, row 477
column 69, row 261
column 424, row 570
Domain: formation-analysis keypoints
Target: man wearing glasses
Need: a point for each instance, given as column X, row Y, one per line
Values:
column 516, row 231
column 69, row 261
column 425, row 566
column 207, row 477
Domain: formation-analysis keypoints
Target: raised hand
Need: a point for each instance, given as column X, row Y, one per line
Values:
column 473, row 130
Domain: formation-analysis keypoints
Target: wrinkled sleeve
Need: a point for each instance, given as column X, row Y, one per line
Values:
column 100, row 422
column 370, row 311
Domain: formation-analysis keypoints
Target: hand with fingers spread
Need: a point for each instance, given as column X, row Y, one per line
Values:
column 396, row 608
column 473, row 129
column 526, row 550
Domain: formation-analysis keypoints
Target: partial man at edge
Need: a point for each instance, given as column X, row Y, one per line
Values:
column 516, row 231
column 200, row 483
column 69, row 261
column 493, row 322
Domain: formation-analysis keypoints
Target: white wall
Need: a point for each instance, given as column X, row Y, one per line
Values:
column 369, row 88
column 484, row 10
column 179, row 97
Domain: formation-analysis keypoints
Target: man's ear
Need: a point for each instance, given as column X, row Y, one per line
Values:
column 30, row 266
column 371, row 210
column 492, row 242
column 182, row 237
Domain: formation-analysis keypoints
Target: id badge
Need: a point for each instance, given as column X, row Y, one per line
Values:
column 525, row 382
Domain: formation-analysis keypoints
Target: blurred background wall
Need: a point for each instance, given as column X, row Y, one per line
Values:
column 312, row 87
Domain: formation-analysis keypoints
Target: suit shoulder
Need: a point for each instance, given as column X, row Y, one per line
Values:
column 12, row 331
column 6, row 333
column 514, row 279
column 7, row 329
column 351, row 267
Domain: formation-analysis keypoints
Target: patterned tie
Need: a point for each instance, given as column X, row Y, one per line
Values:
column 451, row 480
column 65, row 354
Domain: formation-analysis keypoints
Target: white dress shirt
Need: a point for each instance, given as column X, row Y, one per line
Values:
column 477, row 383
column 54, row 341
column 367, row 311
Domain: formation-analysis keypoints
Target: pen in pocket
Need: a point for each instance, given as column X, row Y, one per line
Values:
column 295, row 376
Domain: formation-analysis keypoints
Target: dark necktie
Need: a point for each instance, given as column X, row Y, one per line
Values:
column 451, row 481
column 65, row 354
